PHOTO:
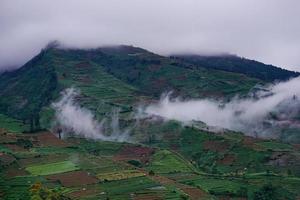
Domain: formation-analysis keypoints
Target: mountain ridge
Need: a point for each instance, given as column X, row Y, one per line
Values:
column 234, row 63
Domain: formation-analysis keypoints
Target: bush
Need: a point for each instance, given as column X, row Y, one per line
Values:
column 135, row 163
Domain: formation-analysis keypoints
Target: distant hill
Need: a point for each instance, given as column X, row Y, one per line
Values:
column 118, row 76
column 232, row 63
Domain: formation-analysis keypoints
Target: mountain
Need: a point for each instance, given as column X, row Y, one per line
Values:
column 116, row 75
column 92, row 141
column 232, row 63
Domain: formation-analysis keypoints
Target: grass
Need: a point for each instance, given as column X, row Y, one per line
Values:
column 52, row 168
column 217, row 186
column 100, row 148
column 4, row 149
column 165, row 161
column 127, row 186
column 12, row 125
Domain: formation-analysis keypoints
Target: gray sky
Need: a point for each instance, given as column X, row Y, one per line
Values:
column 265, row 30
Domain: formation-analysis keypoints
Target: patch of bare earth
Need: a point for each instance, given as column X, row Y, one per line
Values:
column 47, row 139
column 194, row 193
column 15, row 147
column 135, row 153
column 83, row 192
column 251, row 143
column 227, row 160
column 7, row 137
column 76, row 178
column 40, row 159
column 13, row 172
column 6, row 159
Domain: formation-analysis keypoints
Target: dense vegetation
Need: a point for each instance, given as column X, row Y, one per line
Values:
column 237, row 64
column 112, row 76
column 169, row 160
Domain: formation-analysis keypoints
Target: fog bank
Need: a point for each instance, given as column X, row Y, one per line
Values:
column 262, row 114
column 74, row 119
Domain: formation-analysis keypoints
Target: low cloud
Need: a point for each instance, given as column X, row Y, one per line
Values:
column 71, row 118
column 262, row 114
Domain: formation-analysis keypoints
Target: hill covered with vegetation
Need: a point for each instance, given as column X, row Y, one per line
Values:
column 232, row 63
column 113, row 75
column 161, row 159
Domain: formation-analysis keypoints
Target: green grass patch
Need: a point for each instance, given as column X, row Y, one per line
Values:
column 12, row 125
column 127, row 186
column 217, row 186
column 52, row 168
column 165, row 161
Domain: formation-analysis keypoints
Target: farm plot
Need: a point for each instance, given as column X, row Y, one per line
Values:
column 217, row 186
column 75, row 178
column 135, row 153
column 47, row 139
column 130, row 185
column 165, row 161
column 119, row 175
column 52, row 168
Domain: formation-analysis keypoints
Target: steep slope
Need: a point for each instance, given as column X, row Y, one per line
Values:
column 153, row 74
column 108, row 77
column 25, row 91
column 237, row 64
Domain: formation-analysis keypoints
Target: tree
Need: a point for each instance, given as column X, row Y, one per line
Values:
column 267, row 192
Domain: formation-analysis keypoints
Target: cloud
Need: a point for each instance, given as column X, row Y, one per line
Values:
column 263, row 114
column 74, row 119
column 266, row 30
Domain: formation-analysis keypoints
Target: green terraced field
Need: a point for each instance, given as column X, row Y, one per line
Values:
column 13, row 125
column 166, row 162
column 52, row 168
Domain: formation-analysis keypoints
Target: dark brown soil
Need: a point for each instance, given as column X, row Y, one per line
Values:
column 135, row 153
column 76, row 178
column 6, row 159
column 227, row 160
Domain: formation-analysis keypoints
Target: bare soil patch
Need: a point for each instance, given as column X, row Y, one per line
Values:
column 84, row 192
column 15, row 147
column 135, row 153
column 40, row 159
column 6, row 159
column 47, row 139
column 75, row 178
column 227, row 160
column 13, row 172
column 7, row 138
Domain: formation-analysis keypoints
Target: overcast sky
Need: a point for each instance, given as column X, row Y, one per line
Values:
column 265, row 30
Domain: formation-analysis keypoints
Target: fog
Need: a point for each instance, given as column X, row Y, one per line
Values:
column 77, row 120
column 265, row 30
column 262, row 114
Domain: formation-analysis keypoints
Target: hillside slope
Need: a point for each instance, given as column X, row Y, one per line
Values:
column 110, row 76
column 237, row 64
